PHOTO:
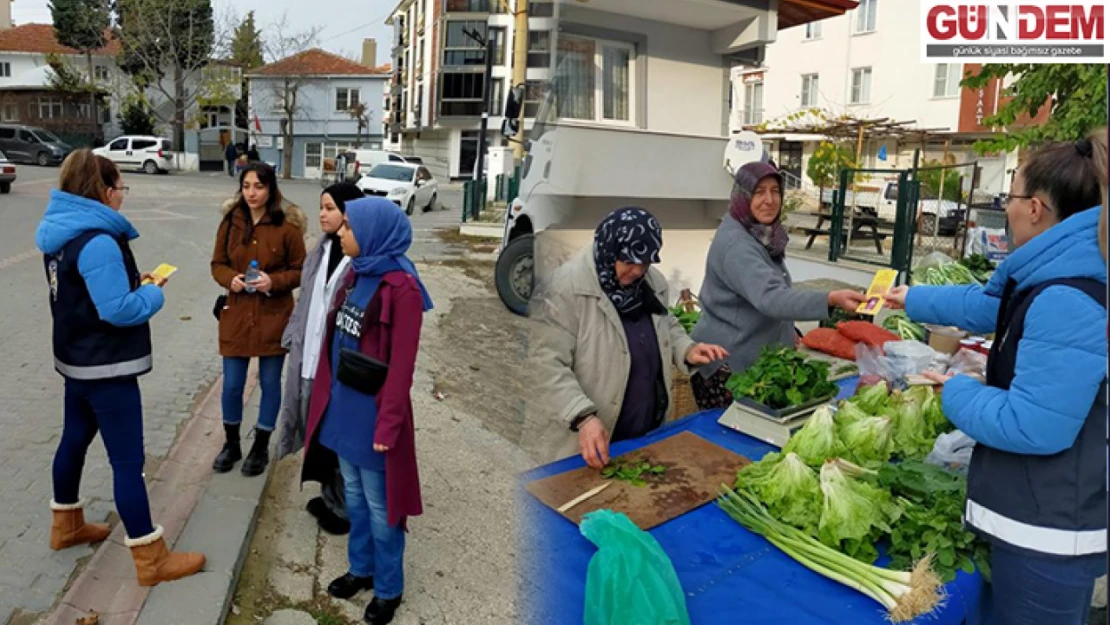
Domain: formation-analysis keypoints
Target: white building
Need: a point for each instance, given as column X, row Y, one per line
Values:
column 439, row 76
column 866, row 64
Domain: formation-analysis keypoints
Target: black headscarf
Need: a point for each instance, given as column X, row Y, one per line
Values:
column 630, row 235
column 342, row 193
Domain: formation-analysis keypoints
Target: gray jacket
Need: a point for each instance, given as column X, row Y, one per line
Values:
column 292, row 422
column 748, row 301
column 582, row 352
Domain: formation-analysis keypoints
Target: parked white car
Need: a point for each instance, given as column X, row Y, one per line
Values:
column 150, row 154
column 407, row 186
column 7, row 174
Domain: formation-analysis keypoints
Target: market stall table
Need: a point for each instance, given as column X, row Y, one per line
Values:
column 729, row 575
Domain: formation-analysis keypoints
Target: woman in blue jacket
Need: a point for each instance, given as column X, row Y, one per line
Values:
column 101, row 336
column 1037, row 479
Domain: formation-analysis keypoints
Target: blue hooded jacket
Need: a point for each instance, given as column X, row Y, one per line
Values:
column 101, row 262
column 1061, row 359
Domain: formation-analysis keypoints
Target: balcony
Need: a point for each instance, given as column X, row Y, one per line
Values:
column 472, row 6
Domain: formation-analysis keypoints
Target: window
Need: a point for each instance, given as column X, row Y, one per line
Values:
column 81, row 110
column 810, row 87
column 461, row 95
column 7, row 133
column 5, row 70
column 539, row 48
column 947, row 81
column 497, row 97
column 459, row 49
column 813, row 30
column 472, row 6
column 753, row 103
column 118, row 145
column 861, row 86
column 100, row 72
column 143, row 144
column 541, row 8
column 312, row 156
column 167, row 146
column 597, row 85
column 534, row 93
column 27, row 137
column 50, row 108
column 346, row 98
column 9, row 113
column 865, row 16
column 498, row 35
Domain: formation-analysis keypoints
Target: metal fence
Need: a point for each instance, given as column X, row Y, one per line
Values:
column 872, row 222
column 942, row 208
column 474, row 199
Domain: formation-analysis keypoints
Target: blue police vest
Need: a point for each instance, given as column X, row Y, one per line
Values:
column 1054, row 505
column 85, row 346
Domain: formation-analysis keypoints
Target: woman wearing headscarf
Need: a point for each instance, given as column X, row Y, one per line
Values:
column 361, row 409
column 324, row 270
column 1036, row 485
column 748, row 299
column 609, row 342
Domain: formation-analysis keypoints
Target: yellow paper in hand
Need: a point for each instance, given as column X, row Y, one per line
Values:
column 882, row 282
column 161, row 272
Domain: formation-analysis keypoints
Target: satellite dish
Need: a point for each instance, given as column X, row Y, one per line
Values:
column 743, row 148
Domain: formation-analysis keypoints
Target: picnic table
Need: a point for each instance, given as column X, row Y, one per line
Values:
column 865, row 227
column 729, row 575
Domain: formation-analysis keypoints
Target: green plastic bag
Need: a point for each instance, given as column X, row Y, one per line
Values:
column 630, row 581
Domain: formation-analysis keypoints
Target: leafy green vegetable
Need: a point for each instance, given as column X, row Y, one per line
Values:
column 783, row 377
column 817, row 440
column 980, row 266
column 871, row 399
column 870, row 439
column 838, row 315
column 635, row 472
column 854, row 514
column 787, row 487
column 848, row 413
column 946, row 274
column 901, row 325
column 688, row 318
column 846, row 368
column 913, row 438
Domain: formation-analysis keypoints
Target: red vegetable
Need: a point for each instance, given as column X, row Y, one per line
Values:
column 866, row 332
column 831, row 342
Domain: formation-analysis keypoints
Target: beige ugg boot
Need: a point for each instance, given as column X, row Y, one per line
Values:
column 155, row 563
column 69, row 527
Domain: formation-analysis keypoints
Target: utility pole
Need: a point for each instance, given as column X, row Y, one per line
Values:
column 520, row 71
column 490, row 43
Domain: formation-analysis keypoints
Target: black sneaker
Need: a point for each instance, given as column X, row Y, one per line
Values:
column 381, row 611
column 348, row 586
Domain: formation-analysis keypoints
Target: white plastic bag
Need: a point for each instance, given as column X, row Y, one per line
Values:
column 902, row 358
column 952, row 451
column 932, row 259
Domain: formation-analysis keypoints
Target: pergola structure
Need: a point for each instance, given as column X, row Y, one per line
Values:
column 846, row 128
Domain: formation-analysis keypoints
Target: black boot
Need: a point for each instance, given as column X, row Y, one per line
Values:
column 259, row 456
column 231, row 453
column 348, row 586
column 381, row 611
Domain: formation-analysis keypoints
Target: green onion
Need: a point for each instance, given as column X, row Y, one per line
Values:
column 905, row 594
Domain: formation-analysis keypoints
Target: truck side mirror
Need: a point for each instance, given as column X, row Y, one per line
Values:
column 513, row 105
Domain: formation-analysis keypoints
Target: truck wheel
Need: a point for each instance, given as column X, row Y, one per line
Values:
column 928, row 224
column 514, row 274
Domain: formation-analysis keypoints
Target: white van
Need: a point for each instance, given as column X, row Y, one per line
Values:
column 365, row 160
column 150, row 154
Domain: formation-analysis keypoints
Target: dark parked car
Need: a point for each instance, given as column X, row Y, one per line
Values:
column 28, row 144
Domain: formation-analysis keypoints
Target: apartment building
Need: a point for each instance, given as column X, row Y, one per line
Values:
column 439, row 76
column 866, row 64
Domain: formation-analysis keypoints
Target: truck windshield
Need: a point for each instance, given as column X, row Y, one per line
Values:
column 392, row 172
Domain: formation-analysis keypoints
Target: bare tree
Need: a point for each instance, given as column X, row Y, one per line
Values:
column 285, row 88
column 361, row 114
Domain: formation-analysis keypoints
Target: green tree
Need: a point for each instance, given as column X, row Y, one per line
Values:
column 246, row 44
column 361, row 114
column 932, row 179
column 1077, row 94
column 136, row 118
column 83, row 26
column 827, row 162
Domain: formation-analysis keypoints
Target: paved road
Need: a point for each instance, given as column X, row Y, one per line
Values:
column 177, row 216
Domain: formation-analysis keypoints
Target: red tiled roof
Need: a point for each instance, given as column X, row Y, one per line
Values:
column 316, row 62
column 39, row 38
column 798, row 12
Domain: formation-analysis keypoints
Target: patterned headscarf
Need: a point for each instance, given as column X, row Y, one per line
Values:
column 630, row 235
column 772, row 236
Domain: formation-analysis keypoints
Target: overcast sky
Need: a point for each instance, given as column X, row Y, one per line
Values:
column 345, row 23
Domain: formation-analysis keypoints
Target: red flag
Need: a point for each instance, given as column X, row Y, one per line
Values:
column 257, row 124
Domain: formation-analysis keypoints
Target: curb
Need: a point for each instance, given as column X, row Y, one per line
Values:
column 484, row 231
column 107, row 585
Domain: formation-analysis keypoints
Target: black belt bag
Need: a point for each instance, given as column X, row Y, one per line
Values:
column 361, row 372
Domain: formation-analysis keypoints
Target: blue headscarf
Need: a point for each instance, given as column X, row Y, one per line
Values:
column 384, row 235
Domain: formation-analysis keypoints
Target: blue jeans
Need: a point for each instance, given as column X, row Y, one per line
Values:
column 1039, row 590
column 235, row 381
column 115, row 409
column 373, row 547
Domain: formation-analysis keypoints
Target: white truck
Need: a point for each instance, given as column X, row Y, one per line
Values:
column 882, row 201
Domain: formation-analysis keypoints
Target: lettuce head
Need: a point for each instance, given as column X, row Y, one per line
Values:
column 817, row 440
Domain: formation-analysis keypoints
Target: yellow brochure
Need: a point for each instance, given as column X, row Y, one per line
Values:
column 882, row 282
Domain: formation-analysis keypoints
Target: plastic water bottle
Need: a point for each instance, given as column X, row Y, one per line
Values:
column 251, row 275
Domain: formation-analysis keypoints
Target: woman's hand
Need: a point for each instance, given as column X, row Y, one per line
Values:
column 847, row 299
column 703, row 354
column 381, row 449
column 263, row 284
column 237, row 284
column 593, row 443
column 896, row 297
column 156, row 281
column 939, row 378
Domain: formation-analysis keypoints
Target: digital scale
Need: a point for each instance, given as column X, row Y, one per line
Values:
column 766, row 424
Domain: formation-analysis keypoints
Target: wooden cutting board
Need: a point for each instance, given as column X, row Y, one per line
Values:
column 695, row 470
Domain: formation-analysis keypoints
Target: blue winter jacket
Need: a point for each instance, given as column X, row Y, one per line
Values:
column 101, row 262
column 1061, row 359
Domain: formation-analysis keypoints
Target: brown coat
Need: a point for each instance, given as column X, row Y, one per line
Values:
column 252, row 323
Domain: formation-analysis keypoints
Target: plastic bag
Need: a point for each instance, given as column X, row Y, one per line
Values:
column 630, row 580
column 969, row 363
column 902, row 358
column 932, row 259
column 952, row 451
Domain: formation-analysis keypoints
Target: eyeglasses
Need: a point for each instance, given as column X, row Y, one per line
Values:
column 123, row 190
column 1007, row 198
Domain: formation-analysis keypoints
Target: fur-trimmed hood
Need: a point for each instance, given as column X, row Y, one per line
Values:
column 293, row 213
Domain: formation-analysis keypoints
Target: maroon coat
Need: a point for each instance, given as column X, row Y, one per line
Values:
column 391, row 334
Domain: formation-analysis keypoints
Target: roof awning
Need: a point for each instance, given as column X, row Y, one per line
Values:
column 798, row 12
